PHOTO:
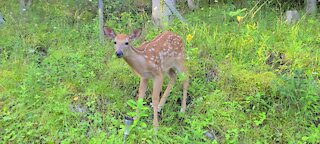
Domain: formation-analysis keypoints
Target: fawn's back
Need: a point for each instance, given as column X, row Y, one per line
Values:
column 164, row 52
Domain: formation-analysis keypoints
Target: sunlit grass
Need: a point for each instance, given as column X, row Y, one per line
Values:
column 78, row 91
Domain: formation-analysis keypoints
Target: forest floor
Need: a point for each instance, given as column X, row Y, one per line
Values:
column 253, row 78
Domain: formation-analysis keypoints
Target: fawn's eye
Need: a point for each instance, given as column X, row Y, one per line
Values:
column 115, row 42
column 126, row 43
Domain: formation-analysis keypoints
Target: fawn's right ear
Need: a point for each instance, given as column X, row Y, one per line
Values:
column 108, row 32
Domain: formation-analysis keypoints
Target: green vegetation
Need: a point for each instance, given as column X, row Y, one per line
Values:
column 255, row 80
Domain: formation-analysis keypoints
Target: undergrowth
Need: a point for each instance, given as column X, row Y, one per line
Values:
column 254, row 81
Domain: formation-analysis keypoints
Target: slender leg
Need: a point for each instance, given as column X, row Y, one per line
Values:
column 181, row 68
column 185, row 94
column 157, row 84
column 142, row 92
column 142, row 88
column 172, row 77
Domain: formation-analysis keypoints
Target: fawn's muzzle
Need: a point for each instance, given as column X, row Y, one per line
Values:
column 119, row 54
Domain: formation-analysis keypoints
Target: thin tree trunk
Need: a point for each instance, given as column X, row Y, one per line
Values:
column 311, row 6
column 29, row 3
column 22, row 6
column 156, row 12
column 101, row 22
column 162, row 12
column 241, row 4
column 191, row 5
column 292, row 16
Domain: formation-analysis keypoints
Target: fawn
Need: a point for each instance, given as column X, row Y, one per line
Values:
column 163, row 55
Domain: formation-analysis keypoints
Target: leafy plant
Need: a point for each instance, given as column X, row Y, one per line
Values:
column 257, row 82
column 140, row 112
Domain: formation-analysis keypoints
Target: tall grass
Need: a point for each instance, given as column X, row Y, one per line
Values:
column 58, row 83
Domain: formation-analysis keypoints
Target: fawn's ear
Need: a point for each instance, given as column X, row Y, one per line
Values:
column 136, row 33
column 109, row 33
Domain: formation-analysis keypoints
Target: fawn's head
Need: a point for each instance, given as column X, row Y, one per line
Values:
column 121, row 41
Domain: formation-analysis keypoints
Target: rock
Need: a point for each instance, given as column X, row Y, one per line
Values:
column 292, row 16
column 209, row 135
column 77, row 108
column 270, row 58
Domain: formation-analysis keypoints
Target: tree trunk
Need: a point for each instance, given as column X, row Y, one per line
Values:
column 22, row 6
column 311, row 6
column 162, row 12
column 191, row 5
column 292, row 16
column 29, row 3
column 156, row 12
column 101, row 22
column 241, row 4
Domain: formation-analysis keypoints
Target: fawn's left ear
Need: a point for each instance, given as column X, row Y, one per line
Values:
column 136, row 33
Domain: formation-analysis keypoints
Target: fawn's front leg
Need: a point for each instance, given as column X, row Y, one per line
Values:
column 141, row 92
column 142, row 87
column 157, row 85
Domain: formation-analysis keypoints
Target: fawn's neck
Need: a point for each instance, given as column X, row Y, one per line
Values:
column 136, row 60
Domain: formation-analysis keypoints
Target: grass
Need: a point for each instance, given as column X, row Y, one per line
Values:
column 253, row 82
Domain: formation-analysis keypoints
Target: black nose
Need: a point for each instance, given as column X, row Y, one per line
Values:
column 119, row 54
